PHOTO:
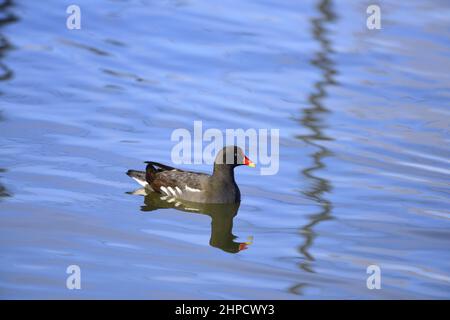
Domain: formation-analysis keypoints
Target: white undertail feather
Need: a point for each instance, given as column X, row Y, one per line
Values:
column 141, row 182
column 140, row 192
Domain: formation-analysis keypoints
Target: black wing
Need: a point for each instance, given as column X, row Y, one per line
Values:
column 158, row 167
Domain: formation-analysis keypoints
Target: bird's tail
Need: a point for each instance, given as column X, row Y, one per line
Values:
column 139, row 176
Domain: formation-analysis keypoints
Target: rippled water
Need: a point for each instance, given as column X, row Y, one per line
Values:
column 364, row 155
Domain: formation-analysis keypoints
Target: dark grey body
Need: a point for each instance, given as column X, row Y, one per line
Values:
column 220, row 187
column 189, row 186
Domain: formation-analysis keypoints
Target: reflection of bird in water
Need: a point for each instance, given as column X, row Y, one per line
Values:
column 222, row 216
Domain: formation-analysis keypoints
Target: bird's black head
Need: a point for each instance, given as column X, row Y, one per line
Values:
column 232, row 156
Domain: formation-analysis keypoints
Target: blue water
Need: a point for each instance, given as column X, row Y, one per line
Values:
column 364, row 124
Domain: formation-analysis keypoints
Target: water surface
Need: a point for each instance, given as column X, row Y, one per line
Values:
column 364, row 148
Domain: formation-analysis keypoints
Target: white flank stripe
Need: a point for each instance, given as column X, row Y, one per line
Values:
column 179, row 190
column 192, row 189
column 172, row 191
column 164, row 189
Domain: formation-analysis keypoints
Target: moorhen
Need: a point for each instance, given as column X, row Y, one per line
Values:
column 178, row 184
